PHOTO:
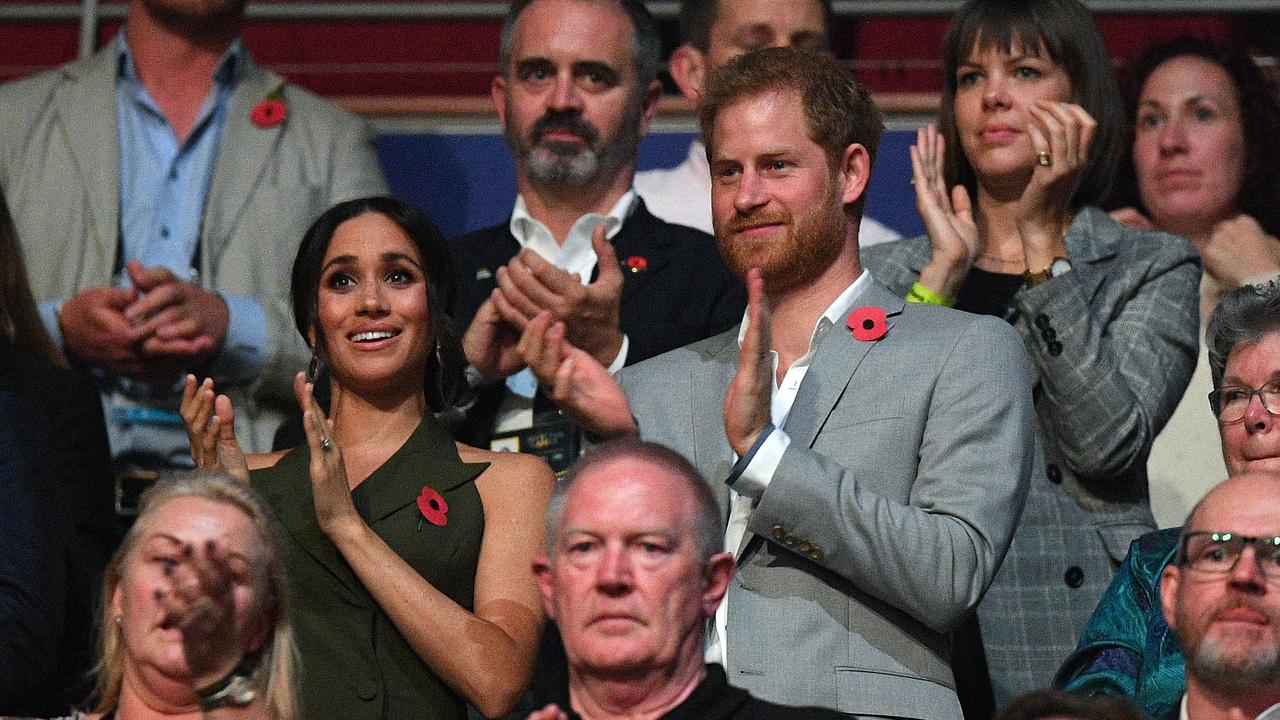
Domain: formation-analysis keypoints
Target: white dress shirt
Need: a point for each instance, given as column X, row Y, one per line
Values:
column 750, row 486
column 575, row 255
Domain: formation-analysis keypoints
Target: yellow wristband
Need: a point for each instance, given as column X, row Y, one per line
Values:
column 921, row 294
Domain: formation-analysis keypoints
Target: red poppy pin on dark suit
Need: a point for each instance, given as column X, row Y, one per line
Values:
column 868, row 323
column 637, row 263
column 433, row 507
column 270, row 112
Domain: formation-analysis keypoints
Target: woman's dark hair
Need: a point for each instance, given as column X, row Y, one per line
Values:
column 20, row 326
column 1259, row 115
column 445, row 382
column 1042, row 704
column 1064, row 30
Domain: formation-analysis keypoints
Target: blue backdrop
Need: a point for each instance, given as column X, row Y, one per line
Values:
column 467, row 181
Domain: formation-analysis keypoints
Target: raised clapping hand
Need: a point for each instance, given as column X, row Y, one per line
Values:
column 1066, row 131
column 748, row 400
column 210, row 422
column 529, row 285
column 947, row 215
column 1239, row 250
column 329, row 487
column 200, row 600
column 575, row 380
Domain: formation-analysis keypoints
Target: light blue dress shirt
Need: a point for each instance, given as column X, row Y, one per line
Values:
column 164, row 183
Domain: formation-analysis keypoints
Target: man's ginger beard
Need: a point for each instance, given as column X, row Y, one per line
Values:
column 811, row 244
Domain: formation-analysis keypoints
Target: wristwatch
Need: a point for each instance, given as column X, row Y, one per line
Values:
column 1059, row 266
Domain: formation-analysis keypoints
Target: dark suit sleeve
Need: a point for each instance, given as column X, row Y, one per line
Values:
column 56, row 537
column 31, row 568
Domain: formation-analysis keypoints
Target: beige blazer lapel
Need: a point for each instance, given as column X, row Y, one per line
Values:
column 243, row 155
column 86, row 106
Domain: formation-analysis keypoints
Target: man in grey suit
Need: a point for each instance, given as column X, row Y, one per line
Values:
column 160, row 189
column 877, row 454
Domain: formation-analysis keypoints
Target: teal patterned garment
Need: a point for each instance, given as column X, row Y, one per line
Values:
column 1127, row 648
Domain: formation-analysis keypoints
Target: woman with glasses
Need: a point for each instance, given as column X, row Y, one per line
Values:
column 1127, row 648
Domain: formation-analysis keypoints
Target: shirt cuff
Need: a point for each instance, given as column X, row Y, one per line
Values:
column 621, row 360
column 49, row 311
column 753, row 472
column 243, row 357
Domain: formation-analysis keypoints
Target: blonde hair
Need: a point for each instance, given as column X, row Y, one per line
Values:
column 274, row 676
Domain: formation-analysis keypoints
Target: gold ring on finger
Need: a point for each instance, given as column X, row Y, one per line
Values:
column 1045, row 158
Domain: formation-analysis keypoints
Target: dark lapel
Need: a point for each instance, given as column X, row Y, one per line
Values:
column 287, row 488
column 86, row 102
column 833, row 366
column 428, row 458
column 243, row 153
column 642, row 236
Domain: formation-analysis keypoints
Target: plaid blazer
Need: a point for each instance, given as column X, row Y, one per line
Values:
column 1112, row 345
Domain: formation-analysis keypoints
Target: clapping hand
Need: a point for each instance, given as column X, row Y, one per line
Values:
column 1061, row 133
column 201, row 602
column 575, row 380
column 211, row 432
column 329, row 488
column 947, row 216
column 529, row 285
column 748, row 400
column 1239, row 250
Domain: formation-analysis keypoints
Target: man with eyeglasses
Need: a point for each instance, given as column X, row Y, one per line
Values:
column 1221, row 595
column 1127, row 648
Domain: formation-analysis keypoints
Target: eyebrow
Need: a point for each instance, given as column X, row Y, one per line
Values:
column 386, row 257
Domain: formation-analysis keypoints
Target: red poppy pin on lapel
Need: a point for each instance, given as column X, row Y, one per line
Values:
column 433, row 507
column 637, row 263
column 270, row 112
column 868, row 323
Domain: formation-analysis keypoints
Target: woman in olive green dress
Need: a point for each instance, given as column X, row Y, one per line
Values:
column 408, row 554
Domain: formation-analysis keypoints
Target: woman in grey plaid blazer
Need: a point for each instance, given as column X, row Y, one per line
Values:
column 1030, row 130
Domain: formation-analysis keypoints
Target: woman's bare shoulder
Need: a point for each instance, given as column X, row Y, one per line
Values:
column 506, row 468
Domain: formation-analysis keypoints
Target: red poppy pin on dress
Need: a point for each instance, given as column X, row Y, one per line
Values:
column 433, row 507
column 270, row 112
column 637, row 263
column 868, row 323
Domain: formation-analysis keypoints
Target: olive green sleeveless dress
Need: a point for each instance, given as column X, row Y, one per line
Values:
column 354, row 663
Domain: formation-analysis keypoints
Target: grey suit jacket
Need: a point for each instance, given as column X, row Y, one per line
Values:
column 60, row 168
column 1112, row 345
column 907, row 470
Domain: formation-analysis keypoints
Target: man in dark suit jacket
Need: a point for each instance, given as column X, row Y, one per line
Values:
column 576, row 94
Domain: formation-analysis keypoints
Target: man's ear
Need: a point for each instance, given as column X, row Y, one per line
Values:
column 542, row 573
column 716, row 575
column 649, row 106
column 688, row 67
column 1170, row 578
column 498, row 93
column 854, row 173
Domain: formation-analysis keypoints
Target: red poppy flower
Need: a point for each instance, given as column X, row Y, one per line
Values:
column 868, row 323
column 269, row 113
column 637, row 263
column 433, row 506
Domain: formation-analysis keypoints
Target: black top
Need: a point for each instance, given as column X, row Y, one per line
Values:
column 988, row 293
column 716, row 699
